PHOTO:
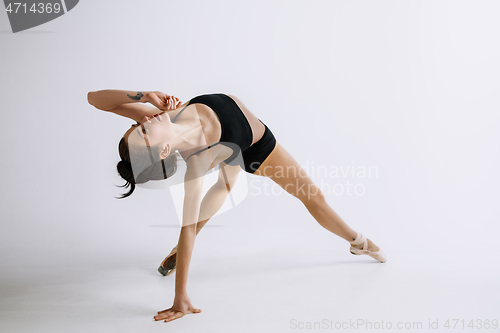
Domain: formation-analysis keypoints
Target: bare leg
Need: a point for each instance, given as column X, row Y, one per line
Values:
column 213, row 200
column 282, row 168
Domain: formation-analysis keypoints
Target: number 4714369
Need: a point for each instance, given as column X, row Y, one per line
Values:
column 36, row 8
column 479, row 324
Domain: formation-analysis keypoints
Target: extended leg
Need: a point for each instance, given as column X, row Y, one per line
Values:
column 282, row 168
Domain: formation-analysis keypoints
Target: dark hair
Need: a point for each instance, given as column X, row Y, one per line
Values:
column 162, row 169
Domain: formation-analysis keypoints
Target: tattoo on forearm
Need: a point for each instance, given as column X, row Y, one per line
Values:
column 136, row 97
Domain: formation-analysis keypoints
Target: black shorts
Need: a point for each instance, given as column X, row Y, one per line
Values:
column 259, row 151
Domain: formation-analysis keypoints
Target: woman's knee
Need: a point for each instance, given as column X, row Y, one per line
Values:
column 222, row 187
column 307, row 192
column 313, row 198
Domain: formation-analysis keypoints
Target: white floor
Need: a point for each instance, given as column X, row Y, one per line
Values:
column 263, row 292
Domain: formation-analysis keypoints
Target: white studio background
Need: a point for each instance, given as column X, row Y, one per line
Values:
column 408, row 87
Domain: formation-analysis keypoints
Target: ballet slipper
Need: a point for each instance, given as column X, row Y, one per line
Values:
column 360, row 239
column 168, row 266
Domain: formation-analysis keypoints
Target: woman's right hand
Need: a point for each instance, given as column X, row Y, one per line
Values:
column 182, row 306
column 161, row 100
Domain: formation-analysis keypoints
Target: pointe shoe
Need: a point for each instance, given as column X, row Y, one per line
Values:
column 168, row 266
column 360, row 239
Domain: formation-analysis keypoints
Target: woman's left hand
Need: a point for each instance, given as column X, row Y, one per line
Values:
column 162, row 101
column 182, row 305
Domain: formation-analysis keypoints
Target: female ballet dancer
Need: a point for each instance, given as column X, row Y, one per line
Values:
column 223, row 128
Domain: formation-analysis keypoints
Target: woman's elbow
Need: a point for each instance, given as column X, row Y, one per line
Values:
column 95, row 99
column 90, row 97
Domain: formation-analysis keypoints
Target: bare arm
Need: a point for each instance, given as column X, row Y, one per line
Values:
column 131, row 104
column 193, row 186
column 206, row 208
column 108, row 99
